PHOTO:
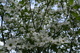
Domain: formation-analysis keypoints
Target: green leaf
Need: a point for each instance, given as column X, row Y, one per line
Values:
column 78, row 32
column 78, row 18
column 71, row 2
column 74, row 14
column 65, row 27
column 76, row 6
column 21, row 2
column 54, row 47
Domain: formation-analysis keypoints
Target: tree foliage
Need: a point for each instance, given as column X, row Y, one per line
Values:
column 29, row 26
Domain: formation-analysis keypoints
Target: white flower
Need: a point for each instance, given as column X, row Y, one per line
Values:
column 6, row 18
column 31, row 24
column 63, row 40
column 42, row 38
column 28, row 46
column 40, row 44
column 19, row 51
column 55, row 41
column 48, row 25
column 32, row 29
column 11, row 43
column 22, row 29
column 23, row 46
column 35, row 33
column 19, row 46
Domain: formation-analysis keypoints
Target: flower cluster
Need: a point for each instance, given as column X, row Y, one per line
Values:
column 34, row 39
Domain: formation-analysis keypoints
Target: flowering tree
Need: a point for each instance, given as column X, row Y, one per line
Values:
column 35, row 26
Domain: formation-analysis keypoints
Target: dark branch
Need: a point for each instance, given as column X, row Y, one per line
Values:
column 2, row 29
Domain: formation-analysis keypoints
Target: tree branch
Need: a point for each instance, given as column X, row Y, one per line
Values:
column 2, row 29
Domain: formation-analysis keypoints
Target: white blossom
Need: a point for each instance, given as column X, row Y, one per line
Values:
column 11, row 43
column 63, row 40
column 7, row 19
column 22, row 29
